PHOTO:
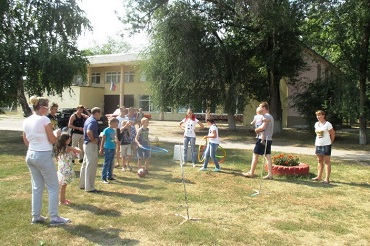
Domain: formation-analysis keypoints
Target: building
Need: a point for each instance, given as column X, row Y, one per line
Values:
column 115, row 80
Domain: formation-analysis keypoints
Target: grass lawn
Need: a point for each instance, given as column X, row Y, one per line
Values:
column 134, row 211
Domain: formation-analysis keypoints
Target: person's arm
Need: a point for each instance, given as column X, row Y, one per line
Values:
column 50, row 133
column 137, row 138
column 74, row 150
column 214, row 134
column 182, row 128
column 90, row 135
column 201, row 125
column 102, row 145
column 261, row 128
column 25, row 140
column 332, row 135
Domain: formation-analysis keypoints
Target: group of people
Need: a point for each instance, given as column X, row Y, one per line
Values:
column 120, row 138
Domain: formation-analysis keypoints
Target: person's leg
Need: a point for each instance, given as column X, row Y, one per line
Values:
column 193, row 150
column 326, row 160
column 186, row 144
column 320, row 166
column 118, row 150
column 110, row 163
column 80, row 145
column 83, row 170
column 62, row 194
column 75, row 142
column 213, row 150
column 91, row 166
column 128, row 157
column 38, row 184
column 104, row 173
column 269, row 166
column 206, row 157
column 48, row 171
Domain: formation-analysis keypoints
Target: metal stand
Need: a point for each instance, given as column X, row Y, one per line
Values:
column 187, row 217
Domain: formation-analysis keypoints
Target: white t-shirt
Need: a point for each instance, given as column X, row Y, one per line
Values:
column 215, row 140
column 120, row 119
column 190, row 127
column 34, row 128
column 322, row 133
column 258, row 120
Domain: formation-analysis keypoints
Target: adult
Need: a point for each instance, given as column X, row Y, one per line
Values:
column 259, row 149
column 53, row 115
column 39, row 137
column 120, row 117
column 190, row 122
column 325, row 136
column 91, row 149
column 76, row 123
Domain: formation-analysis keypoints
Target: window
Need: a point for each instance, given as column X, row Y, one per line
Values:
column 129, row 77
column 95, row 78
column 114, row 77
column 145, row 103
column 128, row 100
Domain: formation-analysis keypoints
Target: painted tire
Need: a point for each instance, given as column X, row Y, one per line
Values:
column 302, row 169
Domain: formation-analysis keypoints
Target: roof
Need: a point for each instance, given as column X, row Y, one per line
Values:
column 114, row 59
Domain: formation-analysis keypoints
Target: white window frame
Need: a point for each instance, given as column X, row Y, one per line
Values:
column 94, row 78
column 114, row 77
column 129, row 77
column 147, row 99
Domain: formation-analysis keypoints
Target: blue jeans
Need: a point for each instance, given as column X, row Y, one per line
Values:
column 211, row 152
column 108, row 163
column 192, row 146
column 42, row 167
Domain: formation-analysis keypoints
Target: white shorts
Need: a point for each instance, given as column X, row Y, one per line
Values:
column 126, row 150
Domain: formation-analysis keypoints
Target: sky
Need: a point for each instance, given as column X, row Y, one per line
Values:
column 105, row 23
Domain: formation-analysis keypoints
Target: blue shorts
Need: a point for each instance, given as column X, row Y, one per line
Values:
column 143, row 153
column 259, row 148
column 323, row 150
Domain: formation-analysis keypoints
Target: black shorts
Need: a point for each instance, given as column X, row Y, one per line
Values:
column 323, row 150
column 260, row 148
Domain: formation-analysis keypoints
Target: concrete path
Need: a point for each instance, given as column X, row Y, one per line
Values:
column 14, row 123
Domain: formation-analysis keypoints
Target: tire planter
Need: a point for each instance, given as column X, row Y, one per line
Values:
column 302, row 169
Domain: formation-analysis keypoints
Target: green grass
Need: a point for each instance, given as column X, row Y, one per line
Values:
column 134, row 211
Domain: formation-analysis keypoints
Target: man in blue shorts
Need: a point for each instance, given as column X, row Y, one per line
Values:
column 259, row 148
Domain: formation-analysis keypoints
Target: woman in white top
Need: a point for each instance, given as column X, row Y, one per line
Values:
column 325, row 135
column 213, row 142
column 189, row 134
column 38, row 135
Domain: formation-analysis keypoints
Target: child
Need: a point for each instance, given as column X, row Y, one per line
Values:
column 142, row 140
column 140, row 115
column 124, row 138
column 213, row 142
column 258, row 121
column 108, row 148
column 65, row 154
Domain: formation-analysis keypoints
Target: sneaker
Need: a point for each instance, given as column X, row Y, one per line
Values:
column 39, row 220
column 104, row 181
column 217, row 169
column 59, row 221
column 194, row 165
column 123, row 169
column 202, row 169
column 112, row 179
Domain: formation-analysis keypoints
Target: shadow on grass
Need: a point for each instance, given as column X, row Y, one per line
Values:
column 109, row 236
column 96, row 210
column 133, row 197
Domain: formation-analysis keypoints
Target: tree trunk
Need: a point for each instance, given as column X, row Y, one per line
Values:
column 275, row 102
column 363, row 76
column 232, row 122
column 23, row 101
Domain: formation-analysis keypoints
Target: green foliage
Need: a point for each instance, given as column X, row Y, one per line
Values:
column 112, row 46
column 38, row 48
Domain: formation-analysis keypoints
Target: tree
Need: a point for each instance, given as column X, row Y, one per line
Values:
column 341, row 31
column 112, row 46
column 246, row 41
column 38, row 48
